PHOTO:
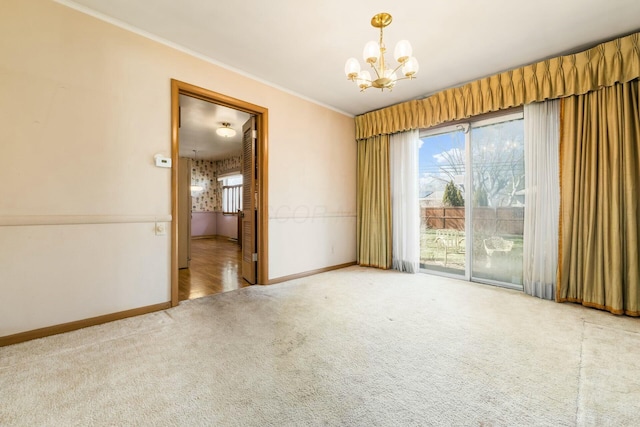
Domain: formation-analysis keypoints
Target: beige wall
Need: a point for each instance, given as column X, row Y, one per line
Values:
column 85, row 106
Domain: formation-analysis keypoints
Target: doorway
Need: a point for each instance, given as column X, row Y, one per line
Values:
column 191, row 146
column 210, row 185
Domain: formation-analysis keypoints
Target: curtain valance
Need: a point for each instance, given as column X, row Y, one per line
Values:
column 616, row 61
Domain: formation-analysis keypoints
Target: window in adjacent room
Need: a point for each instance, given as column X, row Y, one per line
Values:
column 231, row 193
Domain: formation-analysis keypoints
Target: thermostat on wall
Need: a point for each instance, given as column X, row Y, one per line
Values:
column 162, row 162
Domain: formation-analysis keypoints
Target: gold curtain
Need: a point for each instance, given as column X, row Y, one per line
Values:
column 373, row 203
column 604, row 65
column 600, row 187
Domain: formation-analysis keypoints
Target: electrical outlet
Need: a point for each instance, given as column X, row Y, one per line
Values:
column 161, row 229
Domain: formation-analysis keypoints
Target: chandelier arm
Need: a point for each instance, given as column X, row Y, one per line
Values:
column 397, row 68
column 376, row 71
column 407, row 78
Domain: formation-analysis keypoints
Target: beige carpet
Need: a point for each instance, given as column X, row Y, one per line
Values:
column 353, row 347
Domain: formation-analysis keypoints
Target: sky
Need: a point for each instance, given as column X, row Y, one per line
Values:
column 430, row 157
column 498, row 155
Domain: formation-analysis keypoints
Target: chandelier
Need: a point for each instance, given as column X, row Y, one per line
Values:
column 384, row 76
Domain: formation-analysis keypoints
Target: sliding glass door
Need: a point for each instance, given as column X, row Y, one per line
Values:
column 472, row 200
column 442, row 200
column 497, row 208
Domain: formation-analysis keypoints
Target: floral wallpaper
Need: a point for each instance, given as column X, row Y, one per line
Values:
column 205, row 173
column 230, row 164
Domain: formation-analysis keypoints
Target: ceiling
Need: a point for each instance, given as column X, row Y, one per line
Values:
column 198, row 123
column 302, row 48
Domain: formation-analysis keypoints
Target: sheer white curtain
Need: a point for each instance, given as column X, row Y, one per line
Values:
column 405, row 209
column 541, row 158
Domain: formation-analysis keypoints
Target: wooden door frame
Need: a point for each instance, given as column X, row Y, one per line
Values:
column 262, row 114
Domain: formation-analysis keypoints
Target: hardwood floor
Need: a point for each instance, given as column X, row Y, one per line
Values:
column 215, row 267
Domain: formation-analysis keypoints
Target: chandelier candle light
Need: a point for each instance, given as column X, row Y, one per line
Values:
column 385, row 78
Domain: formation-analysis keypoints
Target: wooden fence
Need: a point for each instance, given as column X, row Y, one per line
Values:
column 494, row 221
column 443, row 218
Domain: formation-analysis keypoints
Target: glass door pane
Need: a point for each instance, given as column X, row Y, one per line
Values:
column 442, row 211
column 498, row 202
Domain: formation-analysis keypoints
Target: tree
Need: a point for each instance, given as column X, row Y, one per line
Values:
column 480, row 197
column 452, row 195
column 498, row 163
